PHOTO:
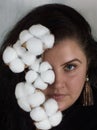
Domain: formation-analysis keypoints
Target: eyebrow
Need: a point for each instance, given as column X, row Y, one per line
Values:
column 71, row 61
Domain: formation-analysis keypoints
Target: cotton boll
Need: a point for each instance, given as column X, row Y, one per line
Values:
column 31, row 76
column 23, row 103
column 50, row 106
column 40, row 84
column 17, row 66
column 35, row 46
column 43, row 125
column 24, row 89
column 38, row 30
column 35, row 65
column 17, row 44
column 24, row 36
column 48, row 76
column 28, row 58
column 44, row 66
column 36, row 99
column 39, row 59
column 48, row 40
column 9, row 55
column 38, row 114
column 55, row 119
column 28, row 89
column 19, row 49
column 19, row 93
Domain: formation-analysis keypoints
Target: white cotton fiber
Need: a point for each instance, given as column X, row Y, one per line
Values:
column 35, row 65
column 23, row 103
column 24, row 36
column 19, row 91
column 48, row 41
column 48, row 76
column 55, row 119
column 38, row 30
column 43, row 125
column 17, row 65
column 36, row 99
column 28, row 89
column 35, row 46
column 31, row 76
column 50, row 106
column 27, row 54
column 9, row 55
column 28, row 58
column 40, row 84
column 44, row 66
column 38, row 114
column 24, row 89
column 19, row 49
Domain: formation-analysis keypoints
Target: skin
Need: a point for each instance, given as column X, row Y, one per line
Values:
column 70, row 66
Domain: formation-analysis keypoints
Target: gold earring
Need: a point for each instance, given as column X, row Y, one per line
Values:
column 87, row 94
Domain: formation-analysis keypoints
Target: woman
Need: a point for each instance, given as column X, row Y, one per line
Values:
column 73, row 61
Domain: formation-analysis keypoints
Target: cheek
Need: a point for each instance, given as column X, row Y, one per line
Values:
column 76, row 85
column 77, row 80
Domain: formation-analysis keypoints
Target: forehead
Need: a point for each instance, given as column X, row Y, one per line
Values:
column 64, row 50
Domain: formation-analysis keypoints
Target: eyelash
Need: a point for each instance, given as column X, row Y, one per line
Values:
column 69, row 67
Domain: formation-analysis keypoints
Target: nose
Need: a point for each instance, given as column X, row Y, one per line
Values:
column 59, row 80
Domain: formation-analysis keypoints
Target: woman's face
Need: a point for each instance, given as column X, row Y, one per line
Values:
column 70, row 66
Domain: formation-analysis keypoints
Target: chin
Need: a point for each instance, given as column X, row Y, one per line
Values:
column 63, row 107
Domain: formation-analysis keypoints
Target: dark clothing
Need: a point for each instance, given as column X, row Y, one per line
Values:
column 76, row 117
column 80, row 118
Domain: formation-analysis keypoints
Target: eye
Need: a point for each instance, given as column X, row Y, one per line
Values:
column 69, row 67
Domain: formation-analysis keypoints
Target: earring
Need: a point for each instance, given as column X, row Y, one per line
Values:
column 87, row 94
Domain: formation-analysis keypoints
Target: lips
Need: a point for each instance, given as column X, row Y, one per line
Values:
column 58, row 97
